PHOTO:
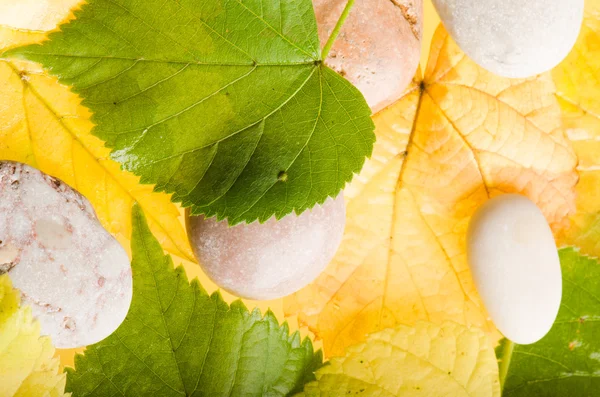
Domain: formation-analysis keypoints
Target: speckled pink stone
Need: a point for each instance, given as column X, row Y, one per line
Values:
column 270, row 260
column 69, row 269
column 379, row 47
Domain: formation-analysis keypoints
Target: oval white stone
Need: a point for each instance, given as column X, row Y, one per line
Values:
column 515, row 266
column 513, row 38
column 270, row 260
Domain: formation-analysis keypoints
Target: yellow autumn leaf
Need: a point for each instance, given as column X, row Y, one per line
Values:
column 43, row 124
column 27, row 365
column 578, row 91
column 424, row 360
column 459, row 136
column 26, row 21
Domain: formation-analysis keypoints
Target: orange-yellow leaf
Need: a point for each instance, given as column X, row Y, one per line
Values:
column 577, row 81
column 43, row 124
column 459, row 136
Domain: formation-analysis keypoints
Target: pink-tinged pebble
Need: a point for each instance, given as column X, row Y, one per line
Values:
column 55, row 251
column 379, row 47
column 270, row 260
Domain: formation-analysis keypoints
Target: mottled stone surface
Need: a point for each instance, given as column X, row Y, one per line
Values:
column 69, row 269
column 270, row 260
column 379, row 46
column 513, row 38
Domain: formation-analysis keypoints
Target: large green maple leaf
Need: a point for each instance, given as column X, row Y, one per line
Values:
column 566, row 362
column 179, row 341
column 225, row 103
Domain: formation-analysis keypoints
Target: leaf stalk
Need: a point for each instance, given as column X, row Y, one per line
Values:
column 337, row 29
column 507, row 353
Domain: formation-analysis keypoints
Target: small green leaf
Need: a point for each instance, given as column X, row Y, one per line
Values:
column 566, row 362
column 179, row 341
column 214, row 100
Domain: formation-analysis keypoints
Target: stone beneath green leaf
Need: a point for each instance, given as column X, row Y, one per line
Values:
column 273, row 259
column 179, row 341
column 566, row 362
column 213, row 100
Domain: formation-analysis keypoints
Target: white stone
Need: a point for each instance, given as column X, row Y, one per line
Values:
column 513, row 38
column 270, row 260
column 515, row 266
column 54, row 250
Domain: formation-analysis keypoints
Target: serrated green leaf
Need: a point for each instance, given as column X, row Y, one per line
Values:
column 179, row 341
column 566, row 362
column 226, row 103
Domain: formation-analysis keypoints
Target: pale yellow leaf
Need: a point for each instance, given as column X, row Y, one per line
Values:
column 459, row 136
column 424, row 360
column 27, row 365
column 577, row 81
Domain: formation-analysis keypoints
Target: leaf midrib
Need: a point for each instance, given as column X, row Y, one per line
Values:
column 165, row 61
column 150, row 264
column 280, row 34
column 305, row 143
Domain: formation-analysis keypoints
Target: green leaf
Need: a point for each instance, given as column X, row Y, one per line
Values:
column 226, row 103
column 179, row 341
column 566, row 362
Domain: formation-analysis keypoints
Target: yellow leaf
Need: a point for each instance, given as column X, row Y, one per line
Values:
column 459, row 136
column 578, row 90
column 427, row 360
column 27, row 366
column 25, row 21
column 43, row 124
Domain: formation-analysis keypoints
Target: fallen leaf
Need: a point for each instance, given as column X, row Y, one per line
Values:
column 424, row 360
column 27, row 366
column 458, row 137
column 44, row 125
column 566, row 362
column 578, row 91
column 178, row 340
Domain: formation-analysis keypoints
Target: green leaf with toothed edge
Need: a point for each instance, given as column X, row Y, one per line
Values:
column 566, row 362
column 225, row 103
column 179, row 341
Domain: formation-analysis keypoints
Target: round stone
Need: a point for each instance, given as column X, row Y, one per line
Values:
column 269, row 260
column 513, row 38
